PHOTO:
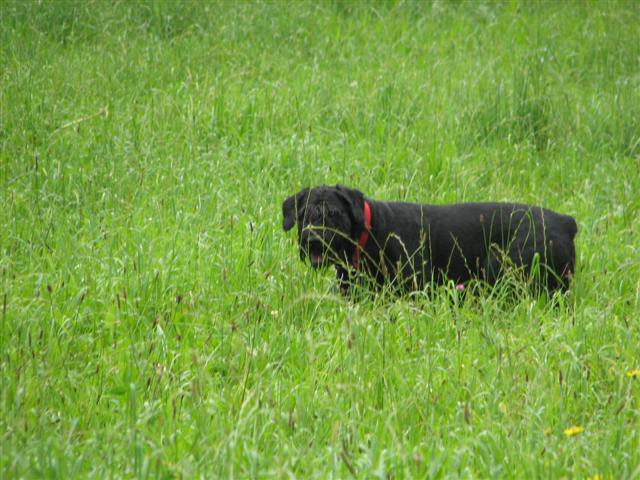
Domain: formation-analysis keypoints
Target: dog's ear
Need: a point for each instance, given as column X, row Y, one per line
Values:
column 290, row 208
column 354, row 200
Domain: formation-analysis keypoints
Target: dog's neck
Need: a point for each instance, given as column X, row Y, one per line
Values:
column 364, row 236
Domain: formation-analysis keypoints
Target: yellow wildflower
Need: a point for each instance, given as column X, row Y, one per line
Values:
column 597, row 476
column 633, row 373
column 573, row 431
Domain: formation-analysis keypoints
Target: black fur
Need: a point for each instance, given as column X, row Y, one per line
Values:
column 413, row 245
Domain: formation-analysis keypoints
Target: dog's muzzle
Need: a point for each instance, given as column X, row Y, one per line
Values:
column 313, row 246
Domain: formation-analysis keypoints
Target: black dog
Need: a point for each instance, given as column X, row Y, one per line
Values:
column 412, row 245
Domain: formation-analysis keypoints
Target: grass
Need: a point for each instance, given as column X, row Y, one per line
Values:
column 155, row 319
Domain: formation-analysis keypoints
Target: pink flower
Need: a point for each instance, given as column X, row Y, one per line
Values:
column 460, row 287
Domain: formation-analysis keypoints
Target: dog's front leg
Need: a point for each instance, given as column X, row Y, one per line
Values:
column 342, row 274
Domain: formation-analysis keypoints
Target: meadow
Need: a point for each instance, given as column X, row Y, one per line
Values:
column 156, row 321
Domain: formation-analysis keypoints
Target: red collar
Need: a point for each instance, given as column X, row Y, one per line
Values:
column 364, row 236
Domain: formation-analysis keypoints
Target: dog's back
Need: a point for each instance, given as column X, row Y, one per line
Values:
column 480, row 240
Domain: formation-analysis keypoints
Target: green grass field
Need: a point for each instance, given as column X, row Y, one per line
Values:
column 156, row 321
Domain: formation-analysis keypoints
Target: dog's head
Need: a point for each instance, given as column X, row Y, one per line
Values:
column 329, row 221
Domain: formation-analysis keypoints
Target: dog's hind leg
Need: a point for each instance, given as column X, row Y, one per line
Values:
column 559, row 266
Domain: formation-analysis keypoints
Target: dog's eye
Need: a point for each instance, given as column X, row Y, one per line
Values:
column 332, row 212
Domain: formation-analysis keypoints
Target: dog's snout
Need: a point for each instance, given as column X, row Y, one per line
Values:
column 313, row 243
column 310, row 234
column 314, row 249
